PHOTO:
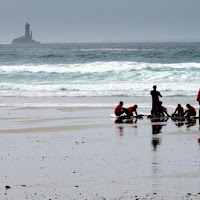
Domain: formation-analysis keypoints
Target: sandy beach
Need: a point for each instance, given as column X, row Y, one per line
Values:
column 70, row 153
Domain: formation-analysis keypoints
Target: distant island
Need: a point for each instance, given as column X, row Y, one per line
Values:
column 27, row 38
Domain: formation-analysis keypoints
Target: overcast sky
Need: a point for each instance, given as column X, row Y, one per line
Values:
column 101, row 20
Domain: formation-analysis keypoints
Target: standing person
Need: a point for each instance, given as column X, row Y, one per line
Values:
column 179, row 110
column 190, row 112
column 119, row 110
column 133, row 109
column 155, row 98
column 198, row 97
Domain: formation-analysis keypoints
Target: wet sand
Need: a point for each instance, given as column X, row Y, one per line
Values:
column 63, row 153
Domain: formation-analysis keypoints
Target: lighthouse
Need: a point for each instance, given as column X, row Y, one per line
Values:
column 27, row 38
column 27, row 31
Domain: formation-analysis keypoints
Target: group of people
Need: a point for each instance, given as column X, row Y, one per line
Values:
column 157, row 108
column 119, row 110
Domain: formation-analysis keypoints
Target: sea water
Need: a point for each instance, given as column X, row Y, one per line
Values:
column 98, row 75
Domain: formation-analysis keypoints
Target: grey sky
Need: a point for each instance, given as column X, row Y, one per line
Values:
column 101, row 20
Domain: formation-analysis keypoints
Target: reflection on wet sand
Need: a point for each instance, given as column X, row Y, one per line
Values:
column 155, row 142
column 156, row 128
column 190, row 123
column 124, row 121
column 187, row 122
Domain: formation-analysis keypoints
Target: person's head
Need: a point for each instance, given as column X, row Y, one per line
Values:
column 135, row 106
column 188, row 105
column 179, row 105
column 154, row 87
column 121, row 103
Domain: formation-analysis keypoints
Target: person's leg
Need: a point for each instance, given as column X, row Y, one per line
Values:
column 120, row 113
column 124, row 110
column 127, row 112
column 192, row 113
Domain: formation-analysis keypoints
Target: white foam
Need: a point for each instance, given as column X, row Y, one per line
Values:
column 95, row 67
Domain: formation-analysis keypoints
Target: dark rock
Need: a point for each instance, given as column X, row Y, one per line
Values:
column 7, row 187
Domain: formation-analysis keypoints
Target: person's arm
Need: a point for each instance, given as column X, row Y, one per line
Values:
column 185, row 112
column 159, row 94
column 136, row 112
column 165, row 111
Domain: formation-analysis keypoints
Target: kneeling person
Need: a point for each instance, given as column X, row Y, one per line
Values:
column 133, row 109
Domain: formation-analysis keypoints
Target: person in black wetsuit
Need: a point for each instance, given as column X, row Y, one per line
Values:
column 155, row 99
column 162, row 110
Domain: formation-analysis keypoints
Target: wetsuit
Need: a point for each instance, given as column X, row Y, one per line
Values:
column 162, row 111
column 190, row 112
column 119, row 110
column 180, row 111
column 155, row 98
column 198, row 97
column 131, row 110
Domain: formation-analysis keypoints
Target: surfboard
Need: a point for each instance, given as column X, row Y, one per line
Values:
column 173, row 118
column 180, row 118
column 119, row 117
column 125, row 117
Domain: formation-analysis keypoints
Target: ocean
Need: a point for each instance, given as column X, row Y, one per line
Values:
column 98, row 75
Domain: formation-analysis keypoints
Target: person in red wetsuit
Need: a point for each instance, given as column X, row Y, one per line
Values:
column 179, row 110
column 119, row 110
column 190, row 112
column 198, row 97
column 133, row 109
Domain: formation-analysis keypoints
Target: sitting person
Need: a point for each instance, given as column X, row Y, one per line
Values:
column 179, row 112
column 162, row 110
column 190, row 112
column 133, row 109
column 119, row 110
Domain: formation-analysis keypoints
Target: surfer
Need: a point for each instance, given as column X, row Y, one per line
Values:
column 119, row 110
column 198, row 97
column 155, row 99
column 162, row 110
column 179, row 110
column 190, row 112
column 133, row 109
